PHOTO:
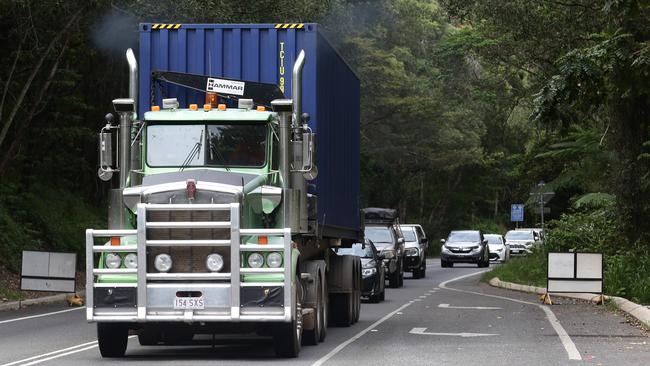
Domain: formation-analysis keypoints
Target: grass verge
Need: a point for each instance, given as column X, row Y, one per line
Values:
column 528, row 270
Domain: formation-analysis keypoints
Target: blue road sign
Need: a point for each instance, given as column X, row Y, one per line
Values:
column 517, row 212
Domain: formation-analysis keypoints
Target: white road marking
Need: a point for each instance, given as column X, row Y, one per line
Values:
column 422, row 331
column 447, row 306
column 338, row 348
column 569, row 346
column 55, row 354
column 40, row 315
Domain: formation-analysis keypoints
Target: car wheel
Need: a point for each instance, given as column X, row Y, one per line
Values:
column 424, row 267
column 393, row 279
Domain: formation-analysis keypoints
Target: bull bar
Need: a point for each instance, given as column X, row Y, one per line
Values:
column 141, row 313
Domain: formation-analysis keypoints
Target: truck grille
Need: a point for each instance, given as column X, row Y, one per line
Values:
column 188, row 259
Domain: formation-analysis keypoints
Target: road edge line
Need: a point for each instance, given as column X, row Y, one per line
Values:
column 39, row 315
column 340, row 347
column 565, row 339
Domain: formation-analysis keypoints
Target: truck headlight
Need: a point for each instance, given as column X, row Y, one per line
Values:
column 163, row 262
column 274, row 260
column 255, row 260
column 368, row 272
column 411, row 252
column 112, row 260
column 214, row 262
column 131, row 260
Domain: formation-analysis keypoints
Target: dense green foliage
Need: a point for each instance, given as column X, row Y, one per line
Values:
column 466, row 105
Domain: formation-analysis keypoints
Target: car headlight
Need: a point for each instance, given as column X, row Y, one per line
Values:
column 112, row 260
column 445, row 249
column 163, row 262
column 255, row 260
column 274, row 260
column 214, row 262
column 498, row 250
column 131, row 260
column 412, row 252
column 370, row 264
column 389, row 253
column 475, row 248
column 368, row 272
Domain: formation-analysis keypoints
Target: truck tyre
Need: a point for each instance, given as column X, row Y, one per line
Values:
column 148, row 337
column 312, row 337
column 326, row 310
column 288, row 336
column 112, row 339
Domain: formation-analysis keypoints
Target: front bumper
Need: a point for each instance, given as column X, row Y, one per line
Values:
column 226, row 297
column 412, row 262
column 461, row 257
column 498, row 256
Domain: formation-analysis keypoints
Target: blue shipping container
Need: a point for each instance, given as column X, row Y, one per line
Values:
column 266, row 53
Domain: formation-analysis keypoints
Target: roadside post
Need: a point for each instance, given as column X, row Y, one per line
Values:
column 517, row 213
column 542, row 197
column 574, row 272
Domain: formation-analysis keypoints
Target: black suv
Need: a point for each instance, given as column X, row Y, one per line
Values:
column 465, row 246
column 382, row 228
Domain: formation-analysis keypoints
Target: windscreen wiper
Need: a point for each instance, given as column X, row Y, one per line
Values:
column 217, row 154
column 196, row 149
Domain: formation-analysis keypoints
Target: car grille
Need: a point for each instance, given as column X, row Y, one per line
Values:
column 188, row 259
column 459, row 250
column 517, row 246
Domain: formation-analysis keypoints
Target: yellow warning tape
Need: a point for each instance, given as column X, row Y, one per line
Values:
column 165, row 26
column 290, row 25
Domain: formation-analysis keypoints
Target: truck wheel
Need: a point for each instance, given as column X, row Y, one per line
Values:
column 288, row 336
column 311, row 337
column 326, row 310
column 148, row 337
column 112, row 339
column 357, row 295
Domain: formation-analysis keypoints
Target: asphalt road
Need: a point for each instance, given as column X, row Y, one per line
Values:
column 448, row 318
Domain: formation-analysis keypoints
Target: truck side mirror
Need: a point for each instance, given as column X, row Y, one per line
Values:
column 309, row 169
column 105, row 171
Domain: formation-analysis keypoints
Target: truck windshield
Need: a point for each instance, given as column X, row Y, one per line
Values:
column 379, row 234
column 218, row 144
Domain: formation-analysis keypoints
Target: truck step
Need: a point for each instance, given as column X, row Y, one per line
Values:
column 308, row 318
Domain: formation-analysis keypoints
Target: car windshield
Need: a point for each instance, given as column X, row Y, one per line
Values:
column 463, row 236
column 358, row 250
column 493, row 239
column 409, row 234
column 379, row 234
column 206, row 145
column 519, row 235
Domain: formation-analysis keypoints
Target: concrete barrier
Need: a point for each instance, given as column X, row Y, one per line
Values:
column 15, row 305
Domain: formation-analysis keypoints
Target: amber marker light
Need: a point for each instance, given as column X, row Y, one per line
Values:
column 155, row 108
column 207, row 107
column 194, row 107
column 222, row 107
column 115, row 241
column 261, row 108
column 262, row 240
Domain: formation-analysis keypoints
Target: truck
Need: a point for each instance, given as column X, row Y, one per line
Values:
column 234, row 173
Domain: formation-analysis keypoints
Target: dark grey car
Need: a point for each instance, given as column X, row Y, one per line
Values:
column 465, row 246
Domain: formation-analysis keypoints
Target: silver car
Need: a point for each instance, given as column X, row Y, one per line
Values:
column 521, row 241
column 499, row 250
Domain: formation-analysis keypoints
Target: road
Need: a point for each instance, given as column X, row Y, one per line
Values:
column 447, row 318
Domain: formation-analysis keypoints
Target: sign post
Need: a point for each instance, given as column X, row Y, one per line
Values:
column 517, row 213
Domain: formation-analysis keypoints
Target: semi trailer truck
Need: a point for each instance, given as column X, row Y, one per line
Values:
column 234, row 173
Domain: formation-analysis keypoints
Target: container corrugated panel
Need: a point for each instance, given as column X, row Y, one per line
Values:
column 266, row 53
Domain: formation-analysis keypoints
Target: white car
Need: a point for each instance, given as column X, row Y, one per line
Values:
column 521, row 241
column 499, row 250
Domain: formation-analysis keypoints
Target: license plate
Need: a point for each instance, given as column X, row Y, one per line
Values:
column 189, row 303
column 516, row 251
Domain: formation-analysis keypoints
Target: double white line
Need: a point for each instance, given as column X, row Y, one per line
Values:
column 54, row 354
